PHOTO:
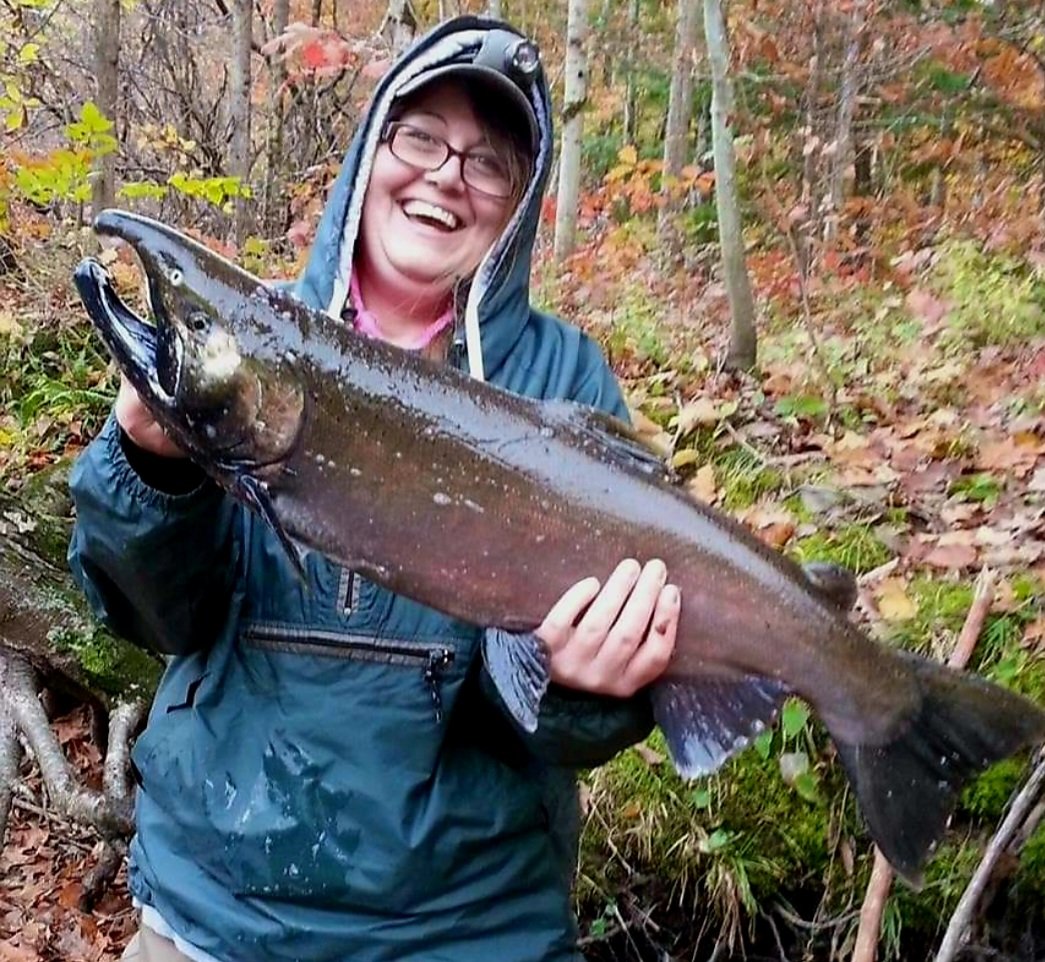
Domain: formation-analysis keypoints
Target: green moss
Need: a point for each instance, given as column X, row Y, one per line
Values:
column 111, row 664
column 987, row 796
column 855, row 547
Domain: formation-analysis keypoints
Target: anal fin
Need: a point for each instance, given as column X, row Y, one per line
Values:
column 705, row 720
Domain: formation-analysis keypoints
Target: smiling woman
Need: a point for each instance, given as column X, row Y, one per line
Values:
column 329, row 771
column 446, row 178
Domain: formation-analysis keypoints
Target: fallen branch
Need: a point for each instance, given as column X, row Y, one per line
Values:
column 1022, row 805
column 881, row 881
column 63, row 788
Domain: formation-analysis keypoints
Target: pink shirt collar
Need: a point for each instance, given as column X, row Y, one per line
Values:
column 366, row 323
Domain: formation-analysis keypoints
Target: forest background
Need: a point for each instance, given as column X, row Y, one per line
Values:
column 861, row 184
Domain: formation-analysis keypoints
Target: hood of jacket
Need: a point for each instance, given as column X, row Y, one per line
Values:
column 498, row 304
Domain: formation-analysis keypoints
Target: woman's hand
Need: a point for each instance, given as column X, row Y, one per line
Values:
column 139, row 424
column 615, row 638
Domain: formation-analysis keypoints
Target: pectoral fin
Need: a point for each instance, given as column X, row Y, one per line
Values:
column 518, row 665
column 706, row 720
column 254, row 493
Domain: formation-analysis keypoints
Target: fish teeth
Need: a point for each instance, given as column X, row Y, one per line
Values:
column 421, row 208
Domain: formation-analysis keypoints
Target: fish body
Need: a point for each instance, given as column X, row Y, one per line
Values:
column 488, row 506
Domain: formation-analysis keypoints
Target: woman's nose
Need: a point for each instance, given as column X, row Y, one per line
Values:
column 449, row 176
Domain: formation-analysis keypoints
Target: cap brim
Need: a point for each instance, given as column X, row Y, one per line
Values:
column 487, row 75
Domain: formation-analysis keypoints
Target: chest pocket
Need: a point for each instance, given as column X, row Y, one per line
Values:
column 430, row 659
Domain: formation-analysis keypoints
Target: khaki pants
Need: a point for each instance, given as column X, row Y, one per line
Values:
column 147, row 946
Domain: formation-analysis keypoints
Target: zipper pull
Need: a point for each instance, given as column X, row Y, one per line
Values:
column 438, row 661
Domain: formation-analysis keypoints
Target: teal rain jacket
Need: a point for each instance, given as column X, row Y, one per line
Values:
column 327, row 772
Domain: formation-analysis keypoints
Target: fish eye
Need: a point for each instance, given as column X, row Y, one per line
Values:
column 175, row 277
column 197, row 321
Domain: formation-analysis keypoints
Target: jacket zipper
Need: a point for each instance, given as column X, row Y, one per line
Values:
column 433, row 660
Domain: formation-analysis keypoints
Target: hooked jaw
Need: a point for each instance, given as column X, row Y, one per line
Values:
column 134, row 343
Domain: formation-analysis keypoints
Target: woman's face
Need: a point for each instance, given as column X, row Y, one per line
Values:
column 424, row 229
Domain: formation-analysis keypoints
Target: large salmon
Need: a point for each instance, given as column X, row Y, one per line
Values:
column 487, row 506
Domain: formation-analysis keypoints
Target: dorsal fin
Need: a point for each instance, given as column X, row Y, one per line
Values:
column 832, row 582
column 620, row 441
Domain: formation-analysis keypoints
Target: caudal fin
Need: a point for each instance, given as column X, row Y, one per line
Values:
column 907, row 788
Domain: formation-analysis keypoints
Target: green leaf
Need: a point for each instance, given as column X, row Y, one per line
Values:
column 716, row 841
column 700, row 798
column 764, row 744
column 29, row 54
column 801, row 406
column 794, row 717
column 808, row 786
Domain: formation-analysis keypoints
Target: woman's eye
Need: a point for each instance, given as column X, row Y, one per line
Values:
column 487, row 163
column 419, row 138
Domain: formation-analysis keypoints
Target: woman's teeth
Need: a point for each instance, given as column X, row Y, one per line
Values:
column 431, row 213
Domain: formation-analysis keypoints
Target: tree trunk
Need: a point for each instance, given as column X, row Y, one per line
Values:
column 399, row 26
column 274, row 174
column 680, row 102
column 240, row 111
column 493, row 9
column 631, row 57
column 811, row 146
column 573, row 125
column 106, row 19
column 742, row 341
column 843, row 140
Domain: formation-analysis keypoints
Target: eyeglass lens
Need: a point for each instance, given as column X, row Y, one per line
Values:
column 480, row 170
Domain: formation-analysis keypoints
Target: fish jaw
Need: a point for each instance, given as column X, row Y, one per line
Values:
column 134, row 344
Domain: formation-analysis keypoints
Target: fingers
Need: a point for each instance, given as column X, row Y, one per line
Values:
column 616, row 639
column 139, row 425
column 654, row 654
column 557, row 627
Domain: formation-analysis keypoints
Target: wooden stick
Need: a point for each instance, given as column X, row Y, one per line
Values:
column 958, row 928
column 881, row 881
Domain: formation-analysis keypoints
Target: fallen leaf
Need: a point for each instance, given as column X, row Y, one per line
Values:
column 703, row 485
column 894, row 604
column 951, row 556
column 702, row 411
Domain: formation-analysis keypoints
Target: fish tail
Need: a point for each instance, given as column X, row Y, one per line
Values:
column 907, row 787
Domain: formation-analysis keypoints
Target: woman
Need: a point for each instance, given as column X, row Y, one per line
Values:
column 328, row 772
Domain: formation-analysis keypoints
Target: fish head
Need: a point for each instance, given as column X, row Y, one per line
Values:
column 210, row 367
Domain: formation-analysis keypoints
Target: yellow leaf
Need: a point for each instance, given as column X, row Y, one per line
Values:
column 686, row 456
column 894, row 604
column 628, row 155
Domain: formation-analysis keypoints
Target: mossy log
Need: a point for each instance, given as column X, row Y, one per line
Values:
column 43, row 614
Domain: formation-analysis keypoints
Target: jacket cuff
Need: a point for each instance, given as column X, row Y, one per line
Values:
column 155, row 479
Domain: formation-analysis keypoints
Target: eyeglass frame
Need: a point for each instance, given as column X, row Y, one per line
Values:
column 388, row 133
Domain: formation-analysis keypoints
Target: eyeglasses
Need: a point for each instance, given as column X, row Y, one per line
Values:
column 480, row 170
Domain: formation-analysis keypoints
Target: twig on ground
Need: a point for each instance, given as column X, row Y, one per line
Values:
column 1022, row 805
column 63, row 788
column 881, row 880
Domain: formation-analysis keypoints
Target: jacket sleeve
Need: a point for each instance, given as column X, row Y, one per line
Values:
column 575, row 728
column 154, row 559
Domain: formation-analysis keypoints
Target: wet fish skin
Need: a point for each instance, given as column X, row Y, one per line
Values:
column 487, row 506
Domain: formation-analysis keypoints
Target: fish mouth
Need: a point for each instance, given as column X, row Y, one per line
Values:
column 136, row 345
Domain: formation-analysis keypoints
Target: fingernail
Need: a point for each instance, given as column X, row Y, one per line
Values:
column 660, row 569
column 673, row 595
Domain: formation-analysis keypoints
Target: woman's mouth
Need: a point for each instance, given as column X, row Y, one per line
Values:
column 431, row 215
